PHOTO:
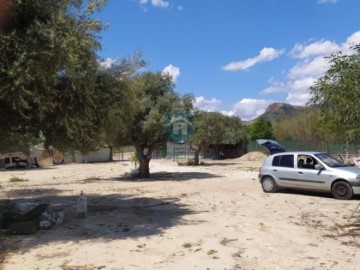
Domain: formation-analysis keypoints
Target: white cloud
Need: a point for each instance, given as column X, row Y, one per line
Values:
column 299, row 93
column 311, row 67
column 228, row 113
column 155, row 3
column 108, row 62
column 354, row 39
column 248, row 109
column 311, row 64
column 208, row 105
column 266, row 54
column 324, row 47
column 173, row 71
column 327, row 1
column 319, row 48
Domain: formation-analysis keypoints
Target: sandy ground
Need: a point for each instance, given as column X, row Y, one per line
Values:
column 213, row 216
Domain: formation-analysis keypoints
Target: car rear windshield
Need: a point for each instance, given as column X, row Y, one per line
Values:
column 283, row 161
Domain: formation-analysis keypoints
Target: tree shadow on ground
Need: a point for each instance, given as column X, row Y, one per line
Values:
column 221, row 164
column 168, row 176
column 110, row 217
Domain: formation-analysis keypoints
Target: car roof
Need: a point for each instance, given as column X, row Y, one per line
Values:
column 299, row 153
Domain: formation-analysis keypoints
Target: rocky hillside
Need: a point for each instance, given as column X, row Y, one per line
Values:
column 278, row 110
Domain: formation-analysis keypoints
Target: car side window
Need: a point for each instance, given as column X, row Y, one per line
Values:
column 283, row 161
column 310, row 163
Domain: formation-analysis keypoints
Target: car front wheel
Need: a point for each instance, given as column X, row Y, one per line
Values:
column 268, row 184
column 342, row 190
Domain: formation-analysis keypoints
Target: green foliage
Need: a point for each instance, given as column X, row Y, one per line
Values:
column 14, row 142
column 214, row 128
column 48, row 71
column 306, row 126
column 337, row 95
column 115, row 103
column 17, row 180
column 187, row 245
column 154, row 98
column 260, row 129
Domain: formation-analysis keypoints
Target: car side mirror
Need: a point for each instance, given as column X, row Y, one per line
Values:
column 319, row 167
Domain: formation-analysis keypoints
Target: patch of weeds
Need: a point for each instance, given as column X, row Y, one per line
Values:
column 187, row 245
column 17, row 180
column 213, row 253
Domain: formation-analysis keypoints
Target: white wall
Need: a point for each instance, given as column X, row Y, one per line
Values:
column 100, row 155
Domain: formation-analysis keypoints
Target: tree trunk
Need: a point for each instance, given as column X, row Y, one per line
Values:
column 144, row 160
column 196, row 157
column 197, row 150
column 111, row 158
column 144, row 170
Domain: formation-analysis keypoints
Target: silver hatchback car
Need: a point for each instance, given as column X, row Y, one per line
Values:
column 313, row 171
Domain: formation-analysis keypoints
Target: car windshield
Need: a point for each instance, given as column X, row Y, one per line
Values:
column 330, row 161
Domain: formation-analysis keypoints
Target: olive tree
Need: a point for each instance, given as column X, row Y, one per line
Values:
column 154, row 99
column 48, row 71
column 214, row 128
column 337, row 94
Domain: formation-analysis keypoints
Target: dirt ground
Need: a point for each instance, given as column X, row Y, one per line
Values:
column 213, row 216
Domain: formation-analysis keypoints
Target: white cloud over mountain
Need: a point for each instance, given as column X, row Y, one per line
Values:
column 249, row 108
column 310, row 65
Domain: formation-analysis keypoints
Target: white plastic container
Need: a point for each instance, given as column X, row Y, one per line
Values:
column 82, row 206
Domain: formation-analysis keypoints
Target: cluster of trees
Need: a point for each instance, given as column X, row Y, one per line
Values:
column 54, row 89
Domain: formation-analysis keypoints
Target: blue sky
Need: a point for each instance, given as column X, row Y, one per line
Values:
column 234, row 56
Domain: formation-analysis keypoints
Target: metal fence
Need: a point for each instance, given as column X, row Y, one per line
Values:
column 344, row 148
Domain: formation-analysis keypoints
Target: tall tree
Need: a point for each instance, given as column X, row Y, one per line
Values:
column 337, row 94
column 208, row 129
column 49, row 62
column 260, row 129
column 115, row 102
column 214, row 128
column 155, row 99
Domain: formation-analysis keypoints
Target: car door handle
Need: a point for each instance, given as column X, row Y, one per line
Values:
column 275, row 170
column 300, row 173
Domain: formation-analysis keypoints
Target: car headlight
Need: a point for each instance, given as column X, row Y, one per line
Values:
column 358, row 177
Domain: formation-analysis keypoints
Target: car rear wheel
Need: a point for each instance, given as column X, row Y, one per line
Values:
column 268, row 184
column 342, row 190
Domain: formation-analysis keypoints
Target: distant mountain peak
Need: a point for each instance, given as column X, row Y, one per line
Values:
column 279, row 110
